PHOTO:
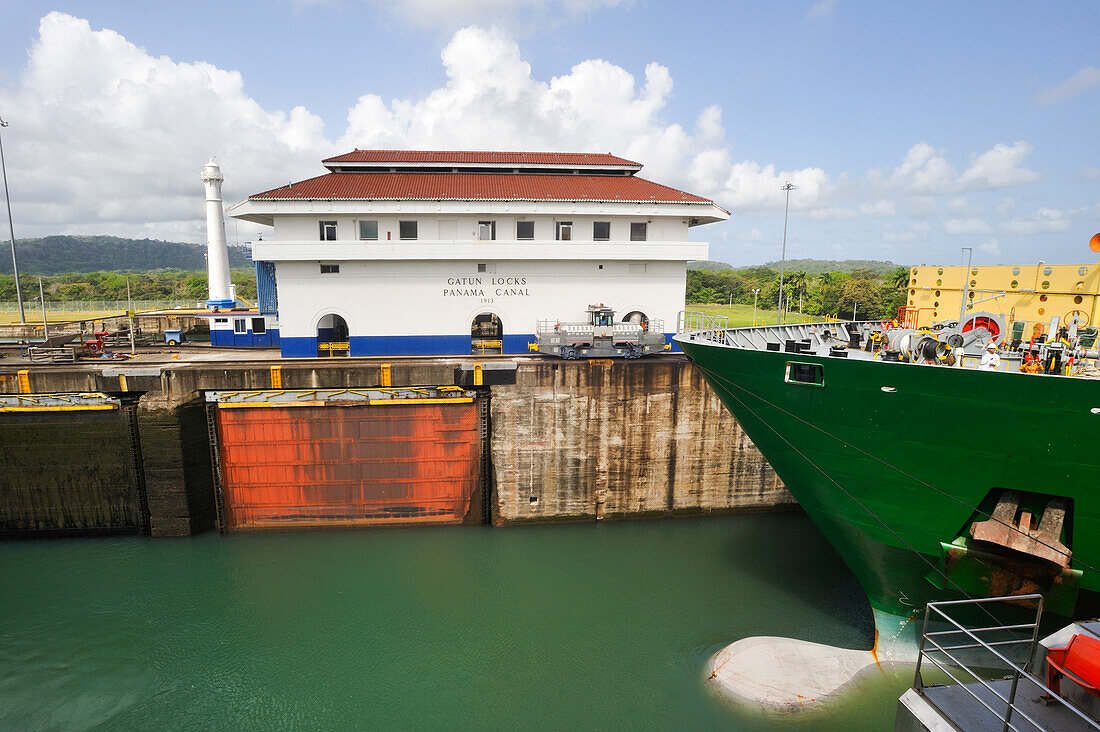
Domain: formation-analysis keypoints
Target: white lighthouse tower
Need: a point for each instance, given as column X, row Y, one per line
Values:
column 217, row 254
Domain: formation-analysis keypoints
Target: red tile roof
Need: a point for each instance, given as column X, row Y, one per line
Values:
column 474, row 157
column 478, row 187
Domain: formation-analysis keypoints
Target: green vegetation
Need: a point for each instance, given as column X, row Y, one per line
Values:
column 160, row 285
column 825, row 266
column 872, row 294
column 64, row 254
column 742, row 315
column 97, row 267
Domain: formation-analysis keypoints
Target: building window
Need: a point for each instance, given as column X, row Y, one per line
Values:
column 492, row 267
column 259, row 325
column 368, row 229
column 406, row 229
column 486, row 230
column 564, row 231
column 637, row 232
column 601, row 230
column 330, row 269
column 328, row 231
column 239, row 325
column 525, row 229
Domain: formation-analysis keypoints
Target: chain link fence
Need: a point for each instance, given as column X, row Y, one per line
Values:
column 96, row 306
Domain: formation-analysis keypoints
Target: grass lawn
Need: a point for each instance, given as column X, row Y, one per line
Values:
column 35, row 317
column 741, row 315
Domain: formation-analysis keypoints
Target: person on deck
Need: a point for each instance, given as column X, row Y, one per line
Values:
column 990, row 359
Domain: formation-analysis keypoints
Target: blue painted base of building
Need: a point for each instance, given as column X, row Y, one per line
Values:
column 248, row 339
column 428, row 345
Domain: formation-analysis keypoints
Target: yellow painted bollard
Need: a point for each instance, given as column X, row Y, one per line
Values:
column 24, row 382
column 276, row 377
column 122, row 382
column 477, row 374
column 386, row 381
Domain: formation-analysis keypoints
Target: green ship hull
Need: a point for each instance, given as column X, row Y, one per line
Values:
column 894, row 462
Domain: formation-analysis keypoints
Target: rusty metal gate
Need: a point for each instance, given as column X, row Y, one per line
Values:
column 297, row 458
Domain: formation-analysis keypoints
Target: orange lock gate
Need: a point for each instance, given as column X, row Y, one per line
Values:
column 333, row 462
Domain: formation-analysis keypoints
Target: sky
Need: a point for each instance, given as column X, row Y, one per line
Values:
column 911, row 129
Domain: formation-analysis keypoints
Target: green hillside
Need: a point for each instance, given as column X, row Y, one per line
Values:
column 63, row 254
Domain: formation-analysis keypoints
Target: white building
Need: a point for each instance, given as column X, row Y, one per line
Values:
column 409, row 253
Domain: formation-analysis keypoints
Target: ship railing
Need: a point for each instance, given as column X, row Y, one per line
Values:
column 976, row 654
column 700, row 326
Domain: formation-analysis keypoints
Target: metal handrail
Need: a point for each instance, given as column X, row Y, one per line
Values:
column 1018, row 672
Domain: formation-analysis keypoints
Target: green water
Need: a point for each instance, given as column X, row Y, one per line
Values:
column 578, row 626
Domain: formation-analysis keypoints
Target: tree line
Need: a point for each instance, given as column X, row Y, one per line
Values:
column 872, row 293
column 158, row 285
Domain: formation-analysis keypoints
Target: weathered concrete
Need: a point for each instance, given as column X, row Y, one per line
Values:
column 569, row 440
column 65, row 473
column 585, row 439
column 175, row 453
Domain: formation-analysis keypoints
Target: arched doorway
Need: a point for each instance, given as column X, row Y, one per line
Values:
column 638, row 317
column 486, row 334
column 332, row 336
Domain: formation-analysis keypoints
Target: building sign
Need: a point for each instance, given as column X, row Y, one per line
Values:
column 486, row 287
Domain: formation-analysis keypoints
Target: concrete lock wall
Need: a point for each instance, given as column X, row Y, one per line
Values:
column 618, row 439
column 568, row 440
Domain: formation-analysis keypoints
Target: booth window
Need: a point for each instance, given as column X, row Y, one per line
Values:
column 328, row 231
column 407, row 229
column 239, row 325
column 259, row 325
column 525, row 229
column 601, row 230
column 368, row 229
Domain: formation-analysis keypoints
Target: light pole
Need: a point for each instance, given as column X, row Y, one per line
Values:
column 966, row 286
column 11, row 228
column 788, row 187
column 755, row 294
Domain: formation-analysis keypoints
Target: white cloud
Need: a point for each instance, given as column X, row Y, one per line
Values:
column 879, row 209
column 967, row 226
column 926, row 172
column 512, row 14
column 992, row 246
column 921, row 206
column 109, row 138
column 822, row 9
column 1079, row 83
column 1043, row 221
column 999, row 168
column 106, row 138
column 962, row 207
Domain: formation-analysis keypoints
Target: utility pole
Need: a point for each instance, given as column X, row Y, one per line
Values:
column 11, row 228
column 788, row 187
column 130, row 314
column 45, row 325
column 966, row 286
